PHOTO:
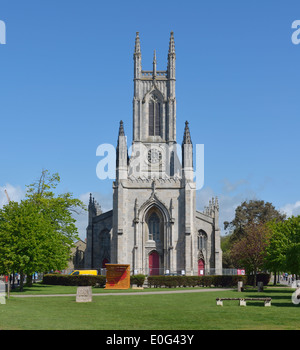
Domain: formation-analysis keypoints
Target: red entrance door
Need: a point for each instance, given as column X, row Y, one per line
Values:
column 154, row 264
column 200, row 267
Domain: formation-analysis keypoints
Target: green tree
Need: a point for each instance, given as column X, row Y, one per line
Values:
column 283, row 252
column 252, row 212
column 293, row 259
column 292, row 229
column 37, row 234
column 226, row 257
column 249, row 251
column 22, row 234
column 275, row 259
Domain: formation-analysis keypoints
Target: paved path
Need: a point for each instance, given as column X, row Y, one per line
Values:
column 121, row 293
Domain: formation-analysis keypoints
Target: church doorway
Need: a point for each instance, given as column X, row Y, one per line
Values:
column 104, row 262
column 153, row 263
column 201, row 266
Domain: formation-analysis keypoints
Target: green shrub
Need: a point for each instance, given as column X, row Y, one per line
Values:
column 137, row 279
column 79, row 280
column 157, row 281
column 193, row 281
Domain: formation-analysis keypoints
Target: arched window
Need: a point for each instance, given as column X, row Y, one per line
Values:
column 153, row 225
column 154, row 117
column 202, row 240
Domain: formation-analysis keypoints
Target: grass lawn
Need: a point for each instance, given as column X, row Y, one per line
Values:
column 186, row 311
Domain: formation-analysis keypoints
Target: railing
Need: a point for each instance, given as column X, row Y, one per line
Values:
column 166, row 272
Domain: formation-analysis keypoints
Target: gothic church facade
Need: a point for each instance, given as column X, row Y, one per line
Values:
column 154, row 225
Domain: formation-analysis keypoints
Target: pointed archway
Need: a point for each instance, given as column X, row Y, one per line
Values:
column 201, row 267
column 153, row 263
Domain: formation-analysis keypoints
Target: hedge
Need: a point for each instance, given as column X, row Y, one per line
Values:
column 193, row 281
column 79, row 280
column 158, row 281
column 86, row 280
column 137, row 279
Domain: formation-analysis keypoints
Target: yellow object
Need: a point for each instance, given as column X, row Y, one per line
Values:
column 84, row 272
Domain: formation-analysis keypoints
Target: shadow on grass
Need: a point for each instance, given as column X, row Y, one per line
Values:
column 39, row 288
column 34, row 287
column 280, row 297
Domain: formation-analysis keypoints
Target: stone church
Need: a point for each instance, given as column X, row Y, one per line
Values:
column 154, row 225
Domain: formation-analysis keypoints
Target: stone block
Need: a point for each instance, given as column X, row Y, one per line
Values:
column 220, row 302
column 268, row 303
column 242, row 302
column 84, row 294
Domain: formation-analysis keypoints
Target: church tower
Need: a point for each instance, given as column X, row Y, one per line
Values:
column 154, row 101
column 154, row 225
column 154, row 116
column 154, row 196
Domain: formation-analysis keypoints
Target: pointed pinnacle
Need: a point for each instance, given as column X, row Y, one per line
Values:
column 154, row 64
column 172, row 43
column 121, row 129
column 137, row 48
column 187, row 136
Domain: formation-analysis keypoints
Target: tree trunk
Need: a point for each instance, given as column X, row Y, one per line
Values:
column 29, row 279
column 254, row 279
column 21, row 281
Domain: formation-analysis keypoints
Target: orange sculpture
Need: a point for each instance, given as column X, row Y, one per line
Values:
column 117, row 276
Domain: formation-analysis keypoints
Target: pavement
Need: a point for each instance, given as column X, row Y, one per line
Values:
column 121, row 293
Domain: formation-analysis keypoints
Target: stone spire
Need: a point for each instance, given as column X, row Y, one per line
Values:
column 91, row 200
column 187, row 154
column 91, row 209
column 137, row 57
column 121, row 154
column 137, row 48
column 172, row 44
column 154, row 64
column 172, row 66
column 121, row 129
column 187, row 135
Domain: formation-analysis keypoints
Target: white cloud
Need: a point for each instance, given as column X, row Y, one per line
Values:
column 291, row 209
column 229, row 187
column 231, row 196
column 15, row 193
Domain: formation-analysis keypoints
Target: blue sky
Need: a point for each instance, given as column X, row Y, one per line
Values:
column 66, row 81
